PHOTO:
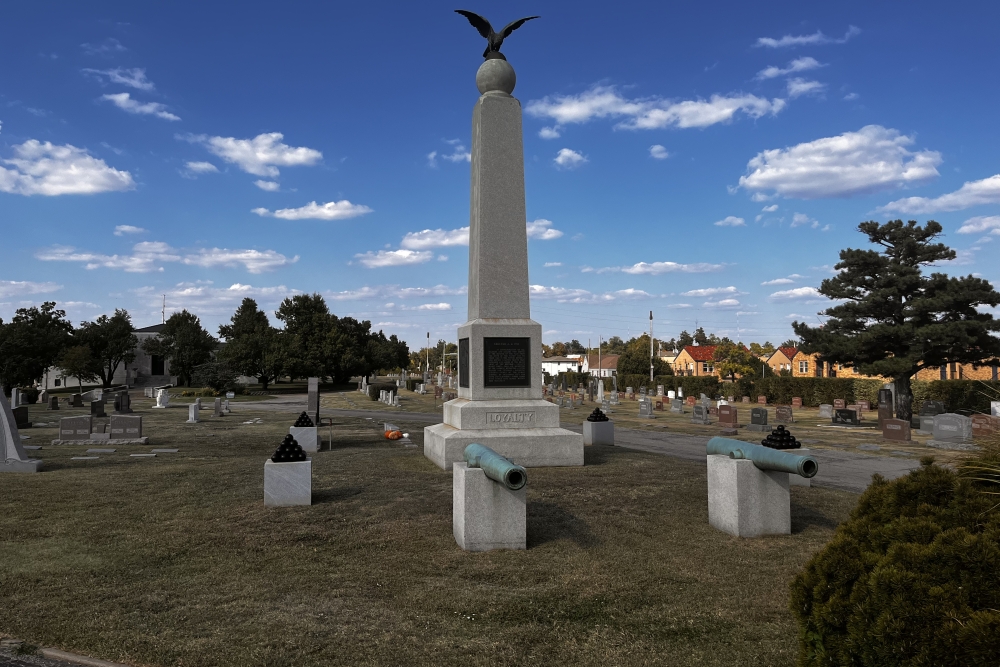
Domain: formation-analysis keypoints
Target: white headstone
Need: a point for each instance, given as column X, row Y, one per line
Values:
column 162, row 398
column 671, row 394
column 193, row 413
column 995, row 408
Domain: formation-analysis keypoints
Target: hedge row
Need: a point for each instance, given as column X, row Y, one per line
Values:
column 375, row 388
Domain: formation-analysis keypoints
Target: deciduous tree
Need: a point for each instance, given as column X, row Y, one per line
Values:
column 184, row 343
column 111, row 341
column 79, row 362
column 31, row 343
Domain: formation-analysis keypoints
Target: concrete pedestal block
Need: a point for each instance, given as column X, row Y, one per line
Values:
column 747, row 502
column 799, row 480
column 530, row 447
column 599, row 433
column 306, row 436
column 486, row 515
column 287, row 484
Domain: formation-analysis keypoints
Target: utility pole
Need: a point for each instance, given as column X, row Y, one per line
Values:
column 427, row 360
column 163, row 312
column 651, row 348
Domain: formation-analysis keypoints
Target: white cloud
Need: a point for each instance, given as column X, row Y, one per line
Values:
column 458, row 154
column 800, row 219
column 569, row 158
column 204, row 299
column 150, row 256
column 873, row 158
column 551, row 264
column 9, row 288
column 121, row 230
column 134, row 77
column 549, row 133
column 436, row 238
column 658, row 152
column 807, row 40
column 731, row 221
column 851, row 96
column 542, row 230
column 201, row 168
column 972, row 193
column 394, row 291
column 434, row 306
column 110, row 45
column 657, row 268
column 779, row 281
column 797, row 294
column 724, row 303
column 679, row 305
column 770, row 209
column 981, row 224
column 649, row 113
column 254, row 261
column 50, row 170
column 125, row 102
column 260, row 156
column 798, row 87
column 798, row 65
column 267, row 186
column 334, row 210
column 383, row 258
column 711, row 291
column 563, row 294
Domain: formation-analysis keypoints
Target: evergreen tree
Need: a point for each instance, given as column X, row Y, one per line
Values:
column 700, row 337
column 893, row 320
column 184, row 343
column 253, row 347
column 111, row 341
column 684, row 339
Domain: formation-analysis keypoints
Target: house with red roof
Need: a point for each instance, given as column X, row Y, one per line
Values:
column 781, row 359
column 696, row 360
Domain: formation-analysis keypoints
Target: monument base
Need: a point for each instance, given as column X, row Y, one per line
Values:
column 528, row 447
column 28, row 465
column 486, row 515
column 745, row 501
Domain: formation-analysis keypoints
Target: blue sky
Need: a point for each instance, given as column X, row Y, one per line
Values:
column 705, row 162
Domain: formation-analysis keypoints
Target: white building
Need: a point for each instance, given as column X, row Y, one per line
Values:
column 556, row 365
column 608, row 365
column 144, row 371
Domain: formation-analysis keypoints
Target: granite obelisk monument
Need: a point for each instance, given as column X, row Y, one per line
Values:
column 500, row 402
column 14, row 459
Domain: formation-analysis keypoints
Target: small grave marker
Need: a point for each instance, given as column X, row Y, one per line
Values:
column 796, row 401
column 896, row 429
column 839, row 404
column 783, row 415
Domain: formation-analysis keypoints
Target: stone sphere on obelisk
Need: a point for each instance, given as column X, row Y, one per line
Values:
column 500, row 402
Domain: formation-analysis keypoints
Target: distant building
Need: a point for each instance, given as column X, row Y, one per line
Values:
column 781, row 359
column 604, row 365
column 145, row 371
column 556, row 365
column 696, row 360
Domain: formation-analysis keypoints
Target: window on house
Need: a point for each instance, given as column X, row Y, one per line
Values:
column 58, row 382
column 996, row 372
column 944, row 372
column 803, row 366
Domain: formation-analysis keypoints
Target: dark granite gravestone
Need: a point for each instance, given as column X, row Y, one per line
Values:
column 728, row 416
column 126, row 427
column 856, row 408
column 885, row 398
column 97, row 408
column 864, row 405
column 839, row 404
column 843, row 416
column 312, row 398
column 76, row 400
column 700, row 415
column 53, row 402
column 762, row 400
column 123, row 403
column 758, row 416
column 896, row 429
column 984, row 425
column 783, row 415
column 931, row 408
column 76, row 428
column 796, row 401
column 21, row 417
column 746, row 399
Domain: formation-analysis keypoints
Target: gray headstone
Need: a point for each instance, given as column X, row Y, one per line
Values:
column 126, row 427
column 312, row 401
column 783, row 415
column 952, row 429
column 645, row 408
column 193, row 413
column 758, row 416
column 926, row 423
column 700, row 415
column 76, row 428
column 218, row 407
column 677, row 405
column 825, row 411
column 995, row 408
column 14, row 458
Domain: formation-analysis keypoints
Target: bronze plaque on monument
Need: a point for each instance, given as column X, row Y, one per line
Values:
column 463, row 363
column 506, row 362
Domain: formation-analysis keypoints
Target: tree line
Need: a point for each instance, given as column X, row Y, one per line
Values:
column 313, row 342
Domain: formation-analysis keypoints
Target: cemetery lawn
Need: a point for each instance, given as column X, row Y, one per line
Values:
column 174, row 560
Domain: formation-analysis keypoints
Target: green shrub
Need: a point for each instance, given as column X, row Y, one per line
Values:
column 30, row 394
column 911, row 578
column 376, row 387
column 411, row 383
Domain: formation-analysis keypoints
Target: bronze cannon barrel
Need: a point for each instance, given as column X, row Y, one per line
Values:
column 496, row 467
column 764, row 458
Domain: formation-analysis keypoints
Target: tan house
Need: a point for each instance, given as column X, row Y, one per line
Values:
column 960, row 372
column 604, row 365
column 809, row 365
column 781, row 359
column 696, row 360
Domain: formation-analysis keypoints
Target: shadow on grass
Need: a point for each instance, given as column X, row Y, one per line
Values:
column 548, row 522
column 804, row 517
column 596, row 455
column 335, row 495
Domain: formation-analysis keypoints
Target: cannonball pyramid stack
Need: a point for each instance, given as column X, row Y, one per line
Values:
column 303, row 421
column 781, row 438
column 597, row 416
column 289, row 451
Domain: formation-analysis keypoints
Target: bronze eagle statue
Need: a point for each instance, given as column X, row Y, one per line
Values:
column 494, row 39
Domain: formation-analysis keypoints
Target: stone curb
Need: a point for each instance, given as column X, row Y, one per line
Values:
column 56, row 654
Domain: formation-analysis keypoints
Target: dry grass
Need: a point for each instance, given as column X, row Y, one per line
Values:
column 175, row 561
